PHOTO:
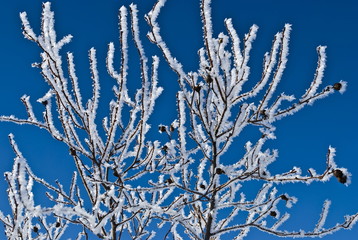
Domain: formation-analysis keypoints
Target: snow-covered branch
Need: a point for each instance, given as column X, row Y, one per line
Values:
column 126, row 183
column 105, row 164
column 219, row 109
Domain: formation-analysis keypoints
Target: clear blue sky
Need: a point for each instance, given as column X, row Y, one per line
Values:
column 303, row 139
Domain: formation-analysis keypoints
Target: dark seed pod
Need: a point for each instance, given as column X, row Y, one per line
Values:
column 197, row 88
column 35, row 229
column 169, row 181
column 273, row 214
column 219, row 171
column 171, row 128
column 165, row 148
column 44, row 102
column 58, row 224
column 202, row 186
column 263, row 114
column 284, row 197
column 209, row 79
column 72, row 152
column 337, row 173
column 337, row 86
column 162, row 128
column 342, row 179
column 221, row 40
column 340, row 176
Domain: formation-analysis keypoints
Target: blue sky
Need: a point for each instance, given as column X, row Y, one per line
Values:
column 302, row 139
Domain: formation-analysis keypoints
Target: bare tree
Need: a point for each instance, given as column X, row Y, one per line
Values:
column 134, row 185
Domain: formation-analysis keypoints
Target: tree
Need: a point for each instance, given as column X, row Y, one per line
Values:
column 128, row 182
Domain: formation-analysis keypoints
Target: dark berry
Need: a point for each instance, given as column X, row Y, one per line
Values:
column 169, row 181
column 337, row 173
column 209, row 79
column 273, row 214
column 219, row 171
column 343, row 179
column 72, row 152
column 337, row 86
column 283, row 197
column 197, row 88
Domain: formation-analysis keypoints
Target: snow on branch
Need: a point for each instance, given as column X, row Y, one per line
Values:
column 126, row 183
column 219, row 109
column 108, row 165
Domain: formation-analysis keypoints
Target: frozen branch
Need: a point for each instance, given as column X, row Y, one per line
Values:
column 183, row 183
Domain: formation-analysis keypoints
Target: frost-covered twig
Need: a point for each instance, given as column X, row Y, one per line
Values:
column 186, row 186
column 105, row 165
column 219, row 110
